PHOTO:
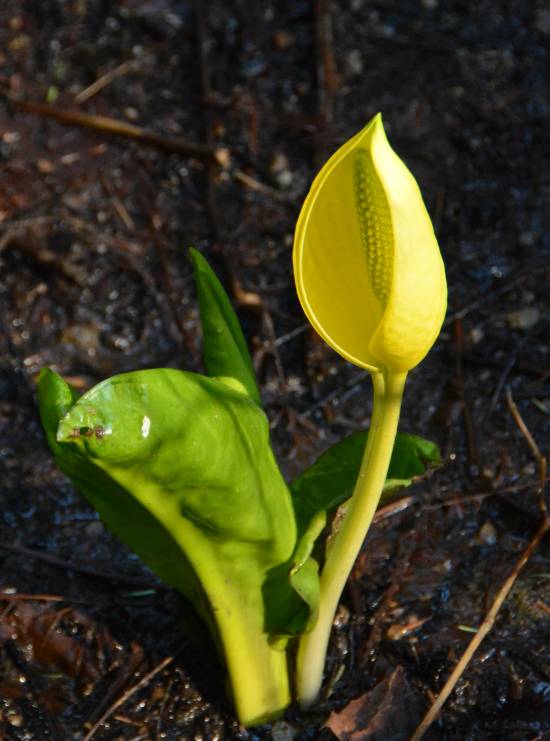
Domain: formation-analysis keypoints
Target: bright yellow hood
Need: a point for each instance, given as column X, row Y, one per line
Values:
column 367, row 265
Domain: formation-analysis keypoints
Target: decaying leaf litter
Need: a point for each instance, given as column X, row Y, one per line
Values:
column 95, row 281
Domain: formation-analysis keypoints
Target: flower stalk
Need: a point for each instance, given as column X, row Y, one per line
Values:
column 346, row 543
column 371, row 281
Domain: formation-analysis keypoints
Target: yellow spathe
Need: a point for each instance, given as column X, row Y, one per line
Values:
column 367, row 265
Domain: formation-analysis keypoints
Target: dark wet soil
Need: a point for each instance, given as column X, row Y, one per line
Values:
column 95, row 280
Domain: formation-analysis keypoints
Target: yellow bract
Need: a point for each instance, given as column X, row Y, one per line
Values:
column 368, row 270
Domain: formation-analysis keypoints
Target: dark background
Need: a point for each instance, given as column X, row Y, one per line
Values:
column 95, row 280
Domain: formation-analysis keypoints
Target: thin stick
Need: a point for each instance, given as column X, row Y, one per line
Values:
column 327, row 80
column 503, row 592
column 523, row 427
column 471, row 442
column 104, row 80
column 120, row 681
column 201, row 8
column 512, row 360
column 489, row 296
column 126, row 695
column 69, row 566
column 259, row 187
column 541, row 459
column 115, row 127
column 484, row 629
column 33, row 598
column 326, row 68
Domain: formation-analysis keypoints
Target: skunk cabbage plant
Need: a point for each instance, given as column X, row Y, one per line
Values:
column 179, row 465
column 371, row 281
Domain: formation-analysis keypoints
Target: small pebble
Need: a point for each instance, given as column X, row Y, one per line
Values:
column 487, row 534
column 476, row 335
column 282, row 40
column 444, row 567
column 16, row 23
column 398, row 631
column 354, row 62
column 342, row 617
column 527, row 239
column 285, row 178
column 523, row 318
column 44, row 166
column 279, row 163
column 95, row 529
column 283, row 731
column 15, row 720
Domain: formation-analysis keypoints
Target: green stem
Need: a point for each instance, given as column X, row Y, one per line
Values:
column 345, row 547
column 258, row 671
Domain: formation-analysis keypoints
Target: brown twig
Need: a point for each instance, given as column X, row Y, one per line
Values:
column 512, row 360
column 542, row 606
column 484, row 629
column 326, row 68
column 143, row 682
column 162, row 710
column 69, row 566
column 33, row 598
column 393, row 508
column 201, row 15
column 107, row 125
column 473, row 454
column 120, row 681
column 257, row 186
column 504, row 590
column 535, row 450
column 327, row 80
column 490, row 296
column 104, row 80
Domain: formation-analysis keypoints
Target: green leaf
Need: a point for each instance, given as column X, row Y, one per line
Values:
column 331, row 479
column 225, row 350
column 329, row 482
column 412, row 457
column 180, row 467
column 119, row 509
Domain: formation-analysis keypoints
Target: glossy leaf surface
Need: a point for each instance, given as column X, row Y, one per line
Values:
column 179, row 466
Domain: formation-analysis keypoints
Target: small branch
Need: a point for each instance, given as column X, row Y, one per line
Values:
column 257, row 186
column 104, row 80
column 33, row 598
column 484, row 629
column 541, row 460
column 327, row 80
column 525, row 431
column 326, row 68
column 490, row 296
column 143, row 682
column 123, row 676
column 201, row 8
column 504, row 591
column 68, row 566
column 106, row 125
column 471, row 442
column 512, row 360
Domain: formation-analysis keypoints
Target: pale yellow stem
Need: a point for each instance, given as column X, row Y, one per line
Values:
column 345, row 547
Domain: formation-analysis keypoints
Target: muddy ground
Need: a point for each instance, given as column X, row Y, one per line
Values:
column 95, row 280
